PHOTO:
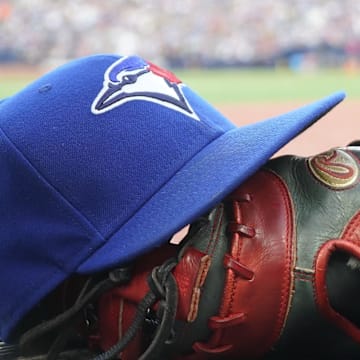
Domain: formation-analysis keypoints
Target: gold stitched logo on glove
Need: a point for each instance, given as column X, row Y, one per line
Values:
column 335, row 168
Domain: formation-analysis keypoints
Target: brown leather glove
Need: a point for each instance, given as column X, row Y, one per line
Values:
column 270, row 272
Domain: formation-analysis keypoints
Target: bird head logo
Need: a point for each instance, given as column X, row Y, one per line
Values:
column 132, row 78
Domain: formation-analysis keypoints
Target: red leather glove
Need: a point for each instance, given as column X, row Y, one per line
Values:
column 270, row 272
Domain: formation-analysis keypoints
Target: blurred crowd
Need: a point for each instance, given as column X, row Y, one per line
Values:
column 181, row 33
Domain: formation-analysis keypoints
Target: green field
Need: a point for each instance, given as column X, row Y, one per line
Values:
column 270, row 85
column 233, row 86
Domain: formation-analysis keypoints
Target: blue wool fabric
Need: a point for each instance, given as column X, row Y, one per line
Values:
column 106, row 157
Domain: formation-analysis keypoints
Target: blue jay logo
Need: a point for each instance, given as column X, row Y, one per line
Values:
column 132, row 78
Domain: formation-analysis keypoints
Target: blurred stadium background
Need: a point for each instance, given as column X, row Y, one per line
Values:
column 251, row 59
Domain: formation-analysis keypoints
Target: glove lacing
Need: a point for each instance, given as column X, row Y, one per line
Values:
column 163, row 287
column 115, row 278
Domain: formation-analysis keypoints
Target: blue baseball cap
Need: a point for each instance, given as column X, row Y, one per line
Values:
column 105, row 158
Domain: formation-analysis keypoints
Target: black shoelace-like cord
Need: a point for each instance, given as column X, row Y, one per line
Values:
column 115, row 278
column 163, row 288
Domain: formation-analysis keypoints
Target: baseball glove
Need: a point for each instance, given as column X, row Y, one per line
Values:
column 271, row 272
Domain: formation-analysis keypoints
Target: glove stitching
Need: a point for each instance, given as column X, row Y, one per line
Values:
column 302, row 276
column 351, row 228
column 290, row 259
column 215, row 228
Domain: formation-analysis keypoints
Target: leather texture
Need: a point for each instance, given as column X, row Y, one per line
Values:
column 323, row 319
column 272, row 275
column 199, row 298
column 258, row 270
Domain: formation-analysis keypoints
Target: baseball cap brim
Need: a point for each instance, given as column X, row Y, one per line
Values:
column 204, row 181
